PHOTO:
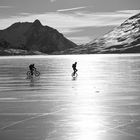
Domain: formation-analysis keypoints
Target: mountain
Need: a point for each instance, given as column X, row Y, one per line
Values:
column 32, row 38
column 122, row 39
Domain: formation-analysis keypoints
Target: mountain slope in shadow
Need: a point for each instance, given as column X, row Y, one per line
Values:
column 32, row 38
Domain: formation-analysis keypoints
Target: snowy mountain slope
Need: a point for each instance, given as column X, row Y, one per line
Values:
column 122, row 39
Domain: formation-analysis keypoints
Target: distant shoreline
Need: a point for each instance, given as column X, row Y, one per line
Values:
column 67, row 55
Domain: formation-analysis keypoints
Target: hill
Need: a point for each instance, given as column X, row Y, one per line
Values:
column 122, row 39
column 32, row 38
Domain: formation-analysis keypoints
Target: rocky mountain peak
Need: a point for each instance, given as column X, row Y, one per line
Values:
column 37, row 23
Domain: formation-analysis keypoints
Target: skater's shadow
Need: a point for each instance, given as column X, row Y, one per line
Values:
column 74, row 78
column 32, row 80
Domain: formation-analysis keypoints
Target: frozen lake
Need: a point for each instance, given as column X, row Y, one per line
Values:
column 102, row 103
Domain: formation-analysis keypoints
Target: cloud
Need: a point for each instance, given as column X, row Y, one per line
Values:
column 129, row 11
column 81, row 39
column 25, row 14
column 85, row 19
column 70, row 9
column 52, row 0
column 77, row 19
column 5, row 6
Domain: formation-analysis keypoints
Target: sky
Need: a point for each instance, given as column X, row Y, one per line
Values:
column 81, row 21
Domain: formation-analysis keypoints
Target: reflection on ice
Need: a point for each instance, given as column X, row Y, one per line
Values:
column 102, row 103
